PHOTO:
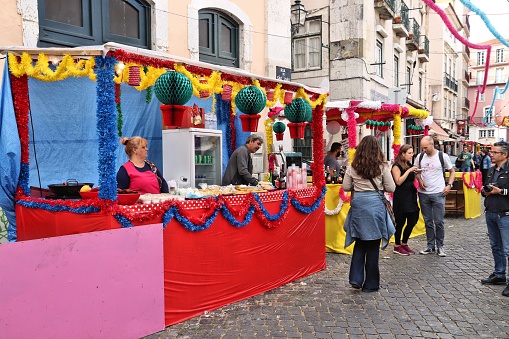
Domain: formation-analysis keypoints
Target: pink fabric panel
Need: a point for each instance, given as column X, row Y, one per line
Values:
column 106, row 284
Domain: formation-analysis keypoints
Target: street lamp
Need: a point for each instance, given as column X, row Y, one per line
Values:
column 298, row 16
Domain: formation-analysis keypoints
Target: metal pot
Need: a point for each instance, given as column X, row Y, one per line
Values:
column 70, row 188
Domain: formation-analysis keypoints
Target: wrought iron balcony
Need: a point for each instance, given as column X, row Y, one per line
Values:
column 401, row 23
column 466, row 103
column 412, row 41
column 424, row 49
column 386, row 8
column 466, row 50
column 450, row 82
column 466, row 77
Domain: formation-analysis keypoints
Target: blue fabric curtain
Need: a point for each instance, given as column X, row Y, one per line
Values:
column 10, row 149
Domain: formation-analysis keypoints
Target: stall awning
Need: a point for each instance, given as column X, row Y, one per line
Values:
column 438, row 132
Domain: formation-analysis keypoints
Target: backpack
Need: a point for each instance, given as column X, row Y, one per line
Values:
column 440, row 157
column 457, row 163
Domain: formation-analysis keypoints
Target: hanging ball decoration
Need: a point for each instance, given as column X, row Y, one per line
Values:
column 173, row 88
column 309, row 111
column 278, row 127
column 333, row 127
column 250, row 100
column 296, row 111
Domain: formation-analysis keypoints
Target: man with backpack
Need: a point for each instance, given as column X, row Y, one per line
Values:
column 432, row 192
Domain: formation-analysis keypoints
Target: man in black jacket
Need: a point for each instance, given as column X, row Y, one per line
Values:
column 496, row 193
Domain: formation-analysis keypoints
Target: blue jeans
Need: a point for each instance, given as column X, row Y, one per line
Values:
column 498, row 232
column 433, row 211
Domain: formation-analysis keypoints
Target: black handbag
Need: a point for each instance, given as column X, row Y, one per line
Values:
column 386, row 202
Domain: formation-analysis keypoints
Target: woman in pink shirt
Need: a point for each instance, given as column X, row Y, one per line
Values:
column 139, row 174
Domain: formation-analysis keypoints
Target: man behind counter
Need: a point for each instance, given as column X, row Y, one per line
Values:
column 240, row 166
column 330, row 159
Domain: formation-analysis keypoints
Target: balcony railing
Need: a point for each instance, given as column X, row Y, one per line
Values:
column 405, row 18
column 466, row 76
column 412, row 41
column 466, row 50
column 466, row 103
column 450, row 82
column 424, row 45
column 386, row 8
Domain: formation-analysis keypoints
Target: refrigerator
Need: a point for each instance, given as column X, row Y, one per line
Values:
column 192, row 155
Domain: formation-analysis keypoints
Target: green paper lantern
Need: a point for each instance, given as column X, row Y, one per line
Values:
column 296, row 111
column 173, row 88
column 250, row 100
column 278, row 127
column 309, row 112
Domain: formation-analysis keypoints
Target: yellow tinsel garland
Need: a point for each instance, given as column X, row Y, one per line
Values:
column 268, row 134
column 397, row 128
column 41, row 70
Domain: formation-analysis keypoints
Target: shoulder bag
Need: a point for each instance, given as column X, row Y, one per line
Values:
column 386, row 202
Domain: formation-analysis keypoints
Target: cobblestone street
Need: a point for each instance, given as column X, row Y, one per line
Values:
column 422, row 296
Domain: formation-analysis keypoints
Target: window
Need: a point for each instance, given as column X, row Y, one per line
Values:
column 499, row 55
column 482, row 133
column 420, row 88
column 488, row 115
column 219, row 39
column 479, row 78
column 481, row 56
column 499, row 75
column 305, row 145
column 450, row 108
column 70, row 23
column 307, row 47
column 499, row 95
column 481, row 97
column 396, row 71
column 408, row 79
column 379, row 58
column 491, row 133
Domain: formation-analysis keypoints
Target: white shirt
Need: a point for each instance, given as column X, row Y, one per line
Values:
column 432, row 174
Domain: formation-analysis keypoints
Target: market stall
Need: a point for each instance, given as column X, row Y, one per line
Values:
column 380, row 118
column 230, row 247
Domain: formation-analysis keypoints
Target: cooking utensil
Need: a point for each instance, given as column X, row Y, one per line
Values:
column 71, row 187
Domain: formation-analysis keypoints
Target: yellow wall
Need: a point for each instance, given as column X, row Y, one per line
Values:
column 10, row 27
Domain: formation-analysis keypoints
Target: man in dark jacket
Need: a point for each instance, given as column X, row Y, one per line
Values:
column 496, row 193
column 240, row 166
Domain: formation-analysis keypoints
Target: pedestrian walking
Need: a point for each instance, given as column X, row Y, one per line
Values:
column 368, row 221
column 496, row 202
column 485, row 164
column 404, row 203
column 432, row 192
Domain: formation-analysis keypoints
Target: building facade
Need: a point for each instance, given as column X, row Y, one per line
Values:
column 492, row 107
column 251, row 35
column 365, row 50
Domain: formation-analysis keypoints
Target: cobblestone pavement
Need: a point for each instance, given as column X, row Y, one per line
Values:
column 422, row 296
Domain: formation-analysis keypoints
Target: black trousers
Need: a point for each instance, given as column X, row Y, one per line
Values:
column 411, row 219
column 365, row 257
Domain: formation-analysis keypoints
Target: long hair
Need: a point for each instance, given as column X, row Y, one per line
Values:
column 368, row 159
column 399, row 158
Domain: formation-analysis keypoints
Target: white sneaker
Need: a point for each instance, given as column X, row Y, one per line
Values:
column 441, row 252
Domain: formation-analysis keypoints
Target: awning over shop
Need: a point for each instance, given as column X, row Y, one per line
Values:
column 438, row 132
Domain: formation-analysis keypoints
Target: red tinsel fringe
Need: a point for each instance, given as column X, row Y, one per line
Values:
column 117, row 93
column 21, row 109
column 318, row 166
column 125, row 57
